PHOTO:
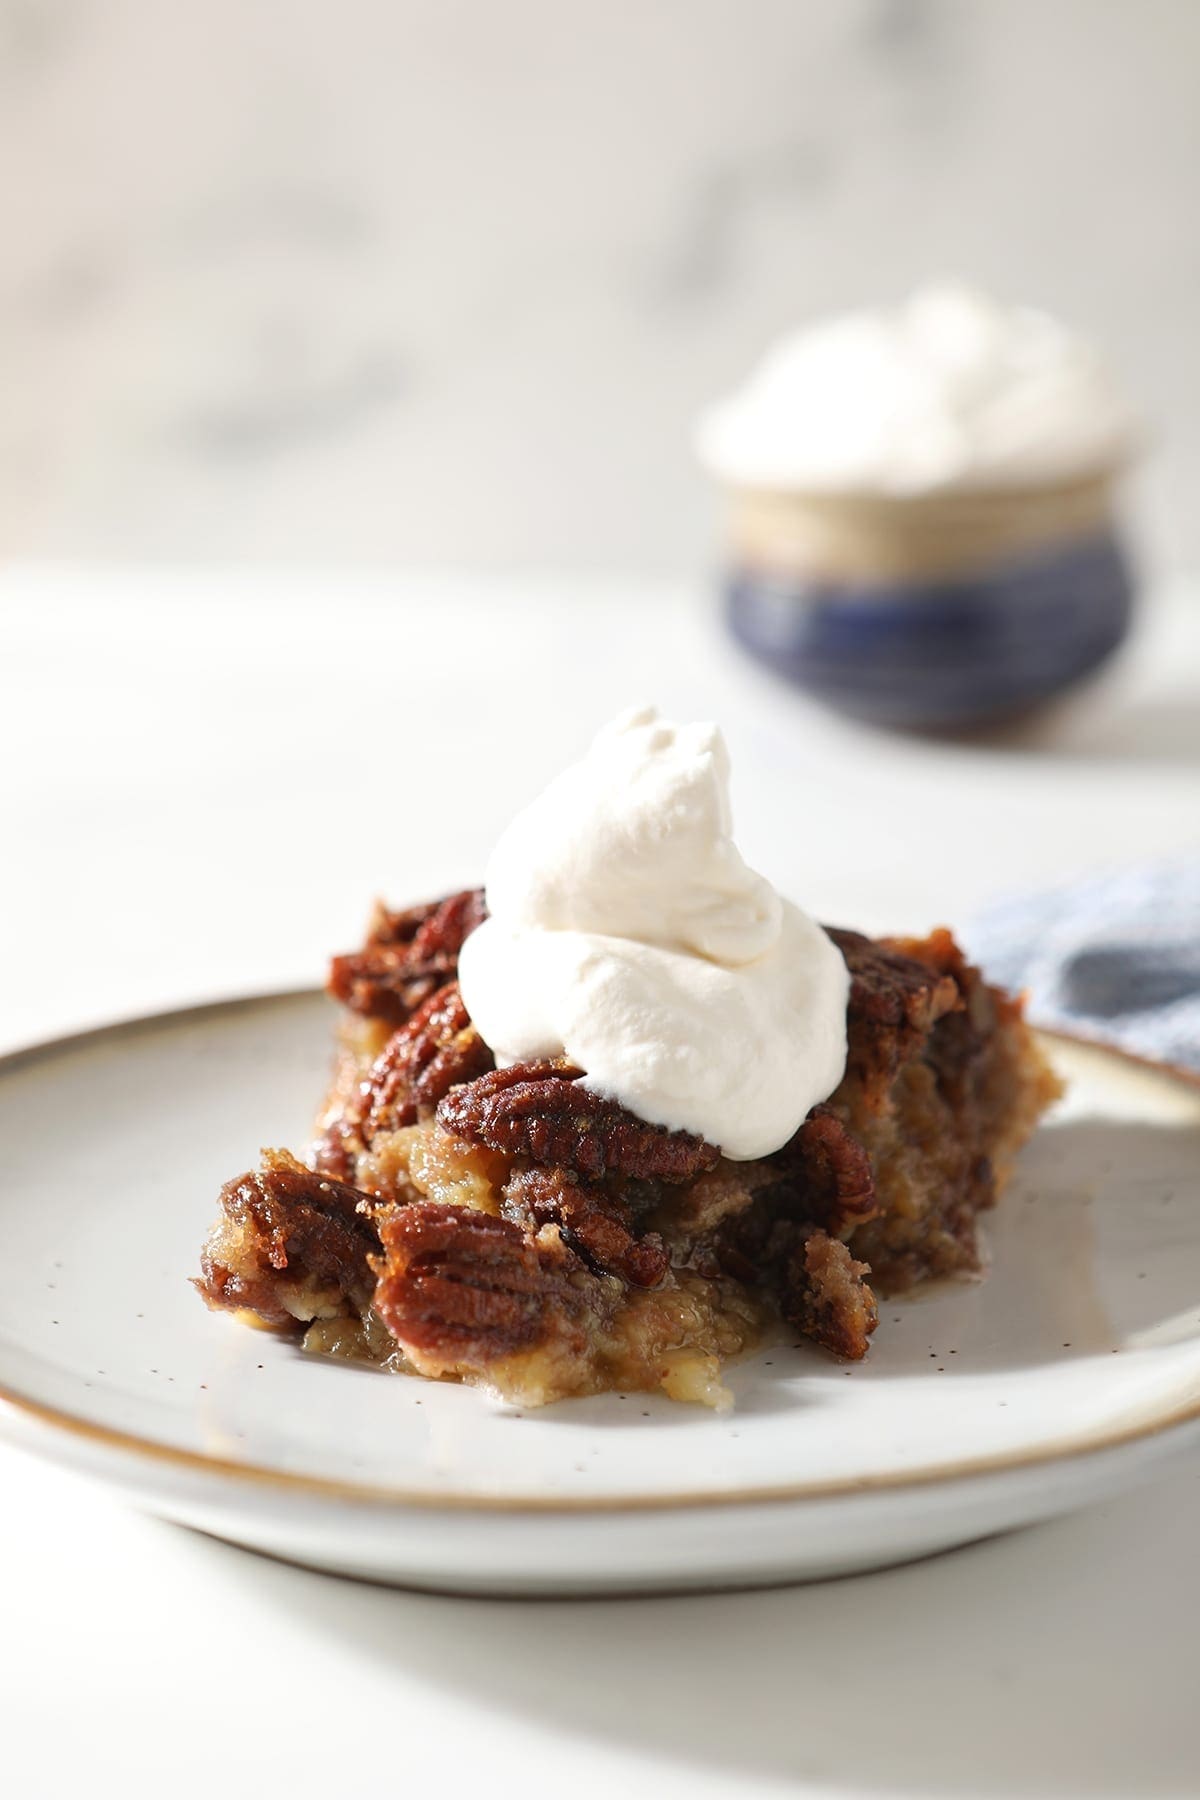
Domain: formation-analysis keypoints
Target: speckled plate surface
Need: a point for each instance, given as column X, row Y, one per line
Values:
column 1073, row 1370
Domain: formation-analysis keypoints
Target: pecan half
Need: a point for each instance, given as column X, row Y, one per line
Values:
column 818, row 1284
column 337, row 1150
column 288, row 1244
column 598, row 1225
column 460, row 1289
column 387, row 926
column 895, row 1000
column 539, row 1110
column 832, row 1173
column 407, row 956
column 424, row 1058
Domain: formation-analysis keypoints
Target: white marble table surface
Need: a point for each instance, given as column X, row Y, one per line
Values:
column 204, row 780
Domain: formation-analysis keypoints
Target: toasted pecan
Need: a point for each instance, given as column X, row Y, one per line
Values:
column 422, row 1059
column 541, row 1110
column 895, row 1000
column 819, row 1286
column 831, row 1170
column 288, row 1243
column 459, row 1289
column 407, row 956
column 433, row 1051
column 596, row 1223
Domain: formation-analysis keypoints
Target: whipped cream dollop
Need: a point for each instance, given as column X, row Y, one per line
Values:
column 948, row 390
column 626, row 933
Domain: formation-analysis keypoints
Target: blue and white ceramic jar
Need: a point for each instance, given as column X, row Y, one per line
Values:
column 922, row 521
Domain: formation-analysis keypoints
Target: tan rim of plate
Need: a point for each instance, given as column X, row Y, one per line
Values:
column 363, row 1493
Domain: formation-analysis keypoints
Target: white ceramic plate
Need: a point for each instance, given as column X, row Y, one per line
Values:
column 1072, row 1371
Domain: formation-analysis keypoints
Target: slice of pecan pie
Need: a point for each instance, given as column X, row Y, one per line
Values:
column 510, row 1227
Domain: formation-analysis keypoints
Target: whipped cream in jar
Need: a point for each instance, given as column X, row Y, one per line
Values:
column 921, row 507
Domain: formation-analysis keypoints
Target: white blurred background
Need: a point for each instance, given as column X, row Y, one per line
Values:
column 443, row 281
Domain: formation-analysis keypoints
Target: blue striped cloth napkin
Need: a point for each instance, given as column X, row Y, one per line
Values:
column 1115, row 957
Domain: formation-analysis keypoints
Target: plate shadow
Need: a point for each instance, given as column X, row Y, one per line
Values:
column 1044, row 1663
